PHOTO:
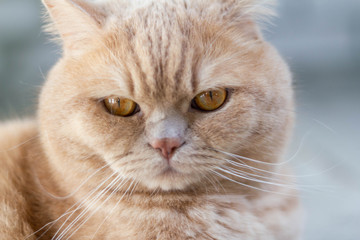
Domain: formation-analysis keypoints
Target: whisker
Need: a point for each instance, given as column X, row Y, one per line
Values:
column 249, row 186
column 88, row 207
column 253, row 179
column 49, row 223
column 258, row 170
column 325, row 125
column 122, row 183
column 212, row 183
column 307, row 188
column 20, row 144
column 285, row 175
column 80, row 186
column 83, row 202
column 263, row 162
column 153, row 192
column 80, row 202
column 266, row 163
column 112, row 210
column 251, row 174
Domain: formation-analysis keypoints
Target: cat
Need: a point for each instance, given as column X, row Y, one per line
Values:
column 164, row 119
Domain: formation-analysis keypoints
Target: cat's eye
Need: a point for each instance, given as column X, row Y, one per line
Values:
column 121, row 106
column 210, row 100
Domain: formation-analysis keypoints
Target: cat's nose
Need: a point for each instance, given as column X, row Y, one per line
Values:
column 167, row 146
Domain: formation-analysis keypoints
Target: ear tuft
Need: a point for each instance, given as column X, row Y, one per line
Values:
column 77, row 22
column 244, row 15
column 252, row 14
column 94, row 12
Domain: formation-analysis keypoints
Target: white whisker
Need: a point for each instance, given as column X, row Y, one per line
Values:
column 244, row 176
column 122, row 183
column 20, row 144
column 325, row 126
column 111, row 211
column 284, row 175
column 251, row 174
column 80, row 186
column 212, row 183
column 267, row 163
column 249, row 186
column 88, row 207
column 82, row 203
column 49, row 223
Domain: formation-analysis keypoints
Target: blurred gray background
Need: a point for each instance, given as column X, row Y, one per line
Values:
column 321, row 42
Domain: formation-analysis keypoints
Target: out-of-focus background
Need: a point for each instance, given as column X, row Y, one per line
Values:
column 321, row 42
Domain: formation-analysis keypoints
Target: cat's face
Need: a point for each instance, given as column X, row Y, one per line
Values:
column 160, row 58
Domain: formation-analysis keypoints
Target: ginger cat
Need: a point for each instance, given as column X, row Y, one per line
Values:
column 164, row 119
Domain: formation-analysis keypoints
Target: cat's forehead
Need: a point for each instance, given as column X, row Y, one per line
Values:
column 165, row 53
column 158, row 55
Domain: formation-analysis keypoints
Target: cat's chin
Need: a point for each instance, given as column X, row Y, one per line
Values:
column 168, row 180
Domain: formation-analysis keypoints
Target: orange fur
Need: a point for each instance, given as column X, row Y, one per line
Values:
column 160, row 54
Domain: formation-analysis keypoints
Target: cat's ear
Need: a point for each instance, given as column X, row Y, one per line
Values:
column 77, row 22
column 244, row 15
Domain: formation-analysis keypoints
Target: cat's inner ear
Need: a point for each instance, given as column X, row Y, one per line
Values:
column 78, row 22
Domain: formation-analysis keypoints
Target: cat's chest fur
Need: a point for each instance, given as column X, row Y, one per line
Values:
column 208, row 217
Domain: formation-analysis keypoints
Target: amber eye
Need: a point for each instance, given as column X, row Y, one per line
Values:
column 121, row 106
column 210, row 100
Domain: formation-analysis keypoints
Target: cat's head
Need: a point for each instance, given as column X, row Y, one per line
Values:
column 164, row 92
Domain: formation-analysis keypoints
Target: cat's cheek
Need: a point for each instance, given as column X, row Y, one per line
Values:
column 106, row 134
column 229, row 129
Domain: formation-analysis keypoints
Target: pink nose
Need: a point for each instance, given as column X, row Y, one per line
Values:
column 167, row 146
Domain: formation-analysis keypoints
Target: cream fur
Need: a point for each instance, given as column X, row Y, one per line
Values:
column 160, row 54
